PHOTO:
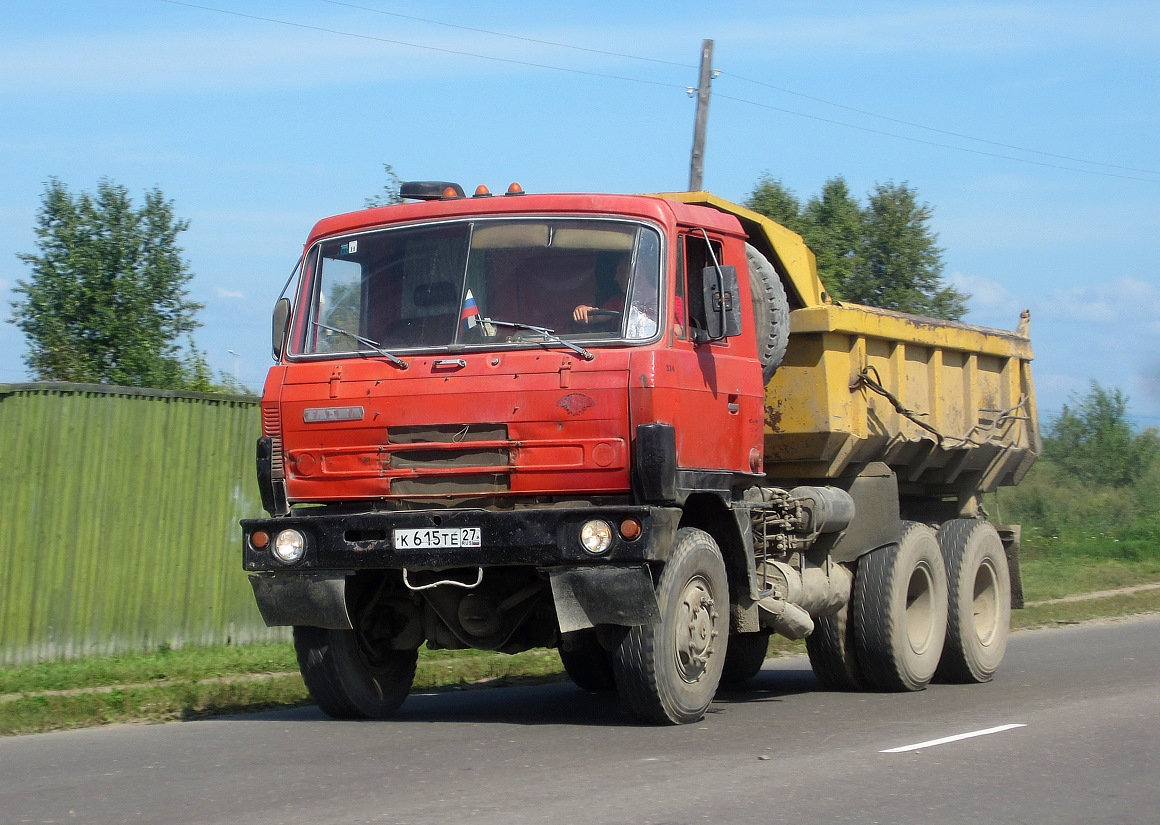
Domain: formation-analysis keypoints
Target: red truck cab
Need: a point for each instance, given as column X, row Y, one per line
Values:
column 490, row 416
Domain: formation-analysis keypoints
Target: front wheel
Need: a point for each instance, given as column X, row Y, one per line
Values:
column 349, row 677
column 979, row 614
column 586, row 661
column 667, row 673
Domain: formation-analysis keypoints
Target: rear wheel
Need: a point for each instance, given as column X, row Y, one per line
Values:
column 832, row 652
column 586, row 661
column 979, row 603
column 744, row 657
column 667, row 673
column 350, row 678
column 900, row 611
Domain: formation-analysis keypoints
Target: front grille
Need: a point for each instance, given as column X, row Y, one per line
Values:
column 271, row 420
column 450, row 458
column 440, row 485
column 447, row 433
column 272, row 427
column 446, row 458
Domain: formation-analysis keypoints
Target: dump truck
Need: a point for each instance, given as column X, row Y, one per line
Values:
column 634, row 428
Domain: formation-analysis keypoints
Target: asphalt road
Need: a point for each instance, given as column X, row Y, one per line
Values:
column 784, row 751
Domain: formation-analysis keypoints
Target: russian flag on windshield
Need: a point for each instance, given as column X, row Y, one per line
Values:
column 469, row 316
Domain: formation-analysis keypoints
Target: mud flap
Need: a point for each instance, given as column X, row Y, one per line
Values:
column 588, row 596
column 302, row 599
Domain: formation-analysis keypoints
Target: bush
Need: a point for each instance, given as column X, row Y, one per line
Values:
column 1095, row 493
column 1093, row 441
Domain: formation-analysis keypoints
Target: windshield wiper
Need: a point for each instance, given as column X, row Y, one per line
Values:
column 544, row 331
column 394, row 359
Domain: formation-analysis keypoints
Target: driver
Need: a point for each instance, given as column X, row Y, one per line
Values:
column 610, row 293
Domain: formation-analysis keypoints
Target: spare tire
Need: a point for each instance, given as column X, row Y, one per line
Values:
column 770, row 311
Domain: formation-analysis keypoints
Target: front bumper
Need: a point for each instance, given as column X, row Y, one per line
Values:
column 539, row 537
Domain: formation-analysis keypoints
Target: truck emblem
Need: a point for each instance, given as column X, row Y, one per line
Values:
column 575, row 403
column 315, row 415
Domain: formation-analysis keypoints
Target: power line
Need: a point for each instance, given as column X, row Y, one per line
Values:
column 509, row 36
column 782, row 89
column 440, row 49
column 931, row 142
column 934, row 129
column 686, row 88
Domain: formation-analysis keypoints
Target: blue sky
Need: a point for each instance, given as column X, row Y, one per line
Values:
column 254, row 129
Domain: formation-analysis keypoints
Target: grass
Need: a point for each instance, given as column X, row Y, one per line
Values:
column 1043, row 579
column 196, row 682
column 1128, row 604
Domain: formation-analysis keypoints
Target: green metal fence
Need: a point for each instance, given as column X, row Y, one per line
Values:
column 119, row 520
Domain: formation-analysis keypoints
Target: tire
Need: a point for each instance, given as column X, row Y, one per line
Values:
column 770, row 312
column 832, row 652
column 667, row 673
column 979, row 601
column 744, row 657
column 900, row 611
column 586, row 661
column 347, row 678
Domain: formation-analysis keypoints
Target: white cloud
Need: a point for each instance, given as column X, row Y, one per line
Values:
column 986, row 295
column 1126, row 302
column 226, row 293
column 259, row 57
column 206, row 51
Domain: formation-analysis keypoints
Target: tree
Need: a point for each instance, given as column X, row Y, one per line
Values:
column 883, row 254
column 771, row 198
column 106, row 301
column 902, row 268
column 390, row 194
column 1093, row 441
column 834, row 231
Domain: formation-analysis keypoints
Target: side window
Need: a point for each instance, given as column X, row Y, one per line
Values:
column 680, row 308
column 644, row 305
column 698, row 255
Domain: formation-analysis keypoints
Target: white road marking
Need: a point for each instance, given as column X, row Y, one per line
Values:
column 931, row 743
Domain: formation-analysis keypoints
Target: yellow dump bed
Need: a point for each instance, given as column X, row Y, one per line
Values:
column 948, row 406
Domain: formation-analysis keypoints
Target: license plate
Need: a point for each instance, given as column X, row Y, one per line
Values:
column 437, row 537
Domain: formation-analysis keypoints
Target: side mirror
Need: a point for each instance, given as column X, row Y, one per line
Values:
column 280, row 327
column 722, row 307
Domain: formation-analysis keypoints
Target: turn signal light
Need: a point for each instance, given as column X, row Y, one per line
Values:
column 631, row 529
column 259, row 539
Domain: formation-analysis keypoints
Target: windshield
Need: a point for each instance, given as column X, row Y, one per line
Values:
column 483, row 283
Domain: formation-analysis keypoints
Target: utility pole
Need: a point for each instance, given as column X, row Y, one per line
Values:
column 697, row 167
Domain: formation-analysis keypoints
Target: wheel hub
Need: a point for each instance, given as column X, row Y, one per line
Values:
column 696, row 629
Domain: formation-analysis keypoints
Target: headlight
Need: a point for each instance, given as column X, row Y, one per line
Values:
column 289, row 546
column 596, row 536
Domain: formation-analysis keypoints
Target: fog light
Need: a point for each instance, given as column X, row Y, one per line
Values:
column 596, row 536
column 289, row 546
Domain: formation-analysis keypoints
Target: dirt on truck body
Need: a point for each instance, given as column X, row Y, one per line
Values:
column 636, row 429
